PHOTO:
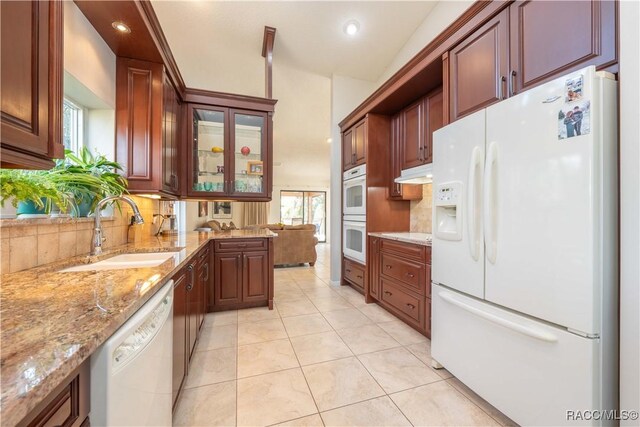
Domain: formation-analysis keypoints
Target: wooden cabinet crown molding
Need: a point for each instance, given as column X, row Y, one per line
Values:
column 229, row 100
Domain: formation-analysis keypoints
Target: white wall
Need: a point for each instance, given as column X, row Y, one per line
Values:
column 192, row 220
column 86, row 56
column 442, row 15
column 629, row 208
column 346, row 94
column 100, row 132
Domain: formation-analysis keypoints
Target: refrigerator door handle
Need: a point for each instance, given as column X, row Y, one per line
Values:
column 490, row 201
column 530, row 331
column 473, row 208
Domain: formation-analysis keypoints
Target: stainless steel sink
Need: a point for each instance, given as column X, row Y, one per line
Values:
column 119, row 262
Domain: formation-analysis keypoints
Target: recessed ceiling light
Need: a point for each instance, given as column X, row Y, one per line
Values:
column 351, row 27
column 121, row 26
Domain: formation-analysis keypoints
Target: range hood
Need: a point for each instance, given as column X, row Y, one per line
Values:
column 422, row 174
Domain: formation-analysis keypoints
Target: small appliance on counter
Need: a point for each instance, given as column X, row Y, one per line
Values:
column 168, row 222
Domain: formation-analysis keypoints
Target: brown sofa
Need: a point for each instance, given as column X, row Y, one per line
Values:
column 295, row 244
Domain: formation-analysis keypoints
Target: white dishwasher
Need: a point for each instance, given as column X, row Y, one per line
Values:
column 131, row 371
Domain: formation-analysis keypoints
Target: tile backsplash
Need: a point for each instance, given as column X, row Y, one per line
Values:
column 31, row 243
column 421, row 210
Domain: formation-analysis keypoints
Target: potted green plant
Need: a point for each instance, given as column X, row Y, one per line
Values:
column 31, row 192
column 89, row 178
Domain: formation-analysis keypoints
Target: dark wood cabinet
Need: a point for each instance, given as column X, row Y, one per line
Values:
column 180, row 333
column 147, row 127
column 192, row 311
column 400, row 191
column 203, row 280
column 354, row 145
column 243, row 274
column 400, row 280
column 229, row 153
column 548, row 39
column 354, row 274
column 433, row 120
column 67, row 405
column 413, row 135
column 479, row 67
column 31, row 80
column 171, row 139
column 527, row 44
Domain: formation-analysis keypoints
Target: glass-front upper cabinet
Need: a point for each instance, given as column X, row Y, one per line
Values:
column 229, row 156
column 248, row 146
column 209, row 151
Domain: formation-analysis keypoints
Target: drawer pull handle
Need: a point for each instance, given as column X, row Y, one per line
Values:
column 388, row 293
column 388, row 267
column 348, row 271
column 359, row 277
column 411, row 306
column 411, row 275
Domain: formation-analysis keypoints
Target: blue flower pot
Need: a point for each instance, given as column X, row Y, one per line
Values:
column 28, row 207
column 83, row 207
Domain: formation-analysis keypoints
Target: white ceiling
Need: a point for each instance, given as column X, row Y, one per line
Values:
column 309, row 33
column 218, row 44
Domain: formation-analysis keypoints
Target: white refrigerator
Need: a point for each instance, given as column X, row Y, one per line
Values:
column 525, row 238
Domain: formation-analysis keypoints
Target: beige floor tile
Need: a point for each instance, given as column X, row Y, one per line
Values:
column 340, row 382
column 403, row 333
column 325, row 304
column 348, row 318
column 376, row 412
column 273, row 398
column 257, row 314
column 268, row 330
column 501, row 418
column 212, row 405
column 285, row 286
column 377, row 314
column 221, row 318
column 265, row 357
column 439, row 404
column 288, row 295
column 319, row 348
column 320, row 292
column 367, row 339
column 306, row 325
column 397, row 369
column 310, row 421
column 215, row 337
column 212, row 366
column 296, row 307
column 422, row 351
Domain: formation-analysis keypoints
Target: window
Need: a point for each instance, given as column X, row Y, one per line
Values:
column 72, row 125
column 305, row 207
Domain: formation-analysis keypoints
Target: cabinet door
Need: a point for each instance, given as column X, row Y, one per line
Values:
column 208, row 143
column 227, row 282
column 248, row 156
column 179, row 333
column 551, row 38
column 395, row 189
column 374, row 267
column 412, row 129
column 139, row 102
column 31, row 81
column 479, row 67
column 201, row 283
column 360, row 143
column 192, row 303
column 433, row 121
column 170, row 139
column 206, row 288
column 255, row 276
column 347, row 150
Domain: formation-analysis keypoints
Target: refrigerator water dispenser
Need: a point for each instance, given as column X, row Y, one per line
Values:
column 448, row 199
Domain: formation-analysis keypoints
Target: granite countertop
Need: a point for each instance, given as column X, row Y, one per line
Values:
column 423, row 239
column 53, row 321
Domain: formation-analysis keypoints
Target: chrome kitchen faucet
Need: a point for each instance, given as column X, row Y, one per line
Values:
column 97, row 228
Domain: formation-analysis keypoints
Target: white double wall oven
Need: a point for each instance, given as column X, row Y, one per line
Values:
column 354, row 209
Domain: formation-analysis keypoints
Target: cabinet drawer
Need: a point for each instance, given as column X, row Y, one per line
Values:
column 407, row 305
column 417, row 252
column 410, row 273
column 235, row 245
column 354, row 273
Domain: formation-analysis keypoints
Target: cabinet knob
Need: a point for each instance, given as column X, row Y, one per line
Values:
column 411, row 275
column 411, row 306
column 359, row 277
column 387, row 293
column 348, row 271
column 388, row 267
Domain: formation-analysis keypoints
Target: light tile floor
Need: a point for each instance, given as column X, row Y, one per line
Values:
column 321, row 357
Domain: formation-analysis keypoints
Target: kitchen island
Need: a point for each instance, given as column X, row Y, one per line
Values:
column 53, row 321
